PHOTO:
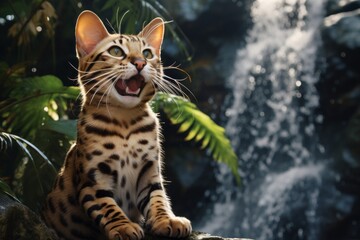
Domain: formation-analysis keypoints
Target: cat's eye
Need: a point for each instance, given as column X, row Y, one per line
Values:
column 116, row 51
column 148, row 54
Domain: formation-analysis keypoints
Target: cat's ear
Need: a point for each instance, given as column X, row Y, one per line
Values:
column 154, row 33
column 89, row 31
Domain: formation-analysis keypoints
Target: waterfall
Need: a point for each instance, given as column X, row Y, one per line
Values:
column 272, row 122
column 274, row 79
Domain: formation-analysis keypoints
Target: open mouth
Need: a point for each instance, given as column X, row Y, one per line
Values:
column 130, row 87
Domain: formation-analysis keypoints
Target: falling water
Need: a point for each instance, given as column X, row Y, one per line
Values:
column 274, row 79
column 272, row 121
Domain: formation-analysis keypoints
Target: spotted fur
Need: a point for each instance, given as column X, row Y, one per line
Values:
column 111, row 186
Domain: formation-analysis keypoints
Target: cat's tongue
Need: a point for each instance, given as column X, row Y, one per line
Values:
column 131, row 86
column 134, row 83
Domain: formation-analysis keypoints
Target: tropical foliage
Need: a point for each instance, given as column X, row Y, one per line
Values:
column 38, row 112
column 198, row 127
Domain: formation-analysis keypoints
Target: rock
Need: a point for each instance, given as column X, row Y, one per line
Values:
column 336, row 6
column 196, row 236
column 18, row 222
column 343, row 29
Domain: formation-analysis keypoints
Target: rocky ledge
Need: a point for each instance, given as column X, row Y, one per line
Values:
column 19, row 222
column 196, row 236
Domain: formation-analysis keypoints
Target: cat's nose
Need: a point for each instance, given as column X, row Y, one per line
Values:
column 139, row 63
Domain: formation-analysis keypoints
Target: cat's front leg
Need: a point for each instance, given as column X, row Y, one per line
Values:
column 160, row 220
column 100, row 206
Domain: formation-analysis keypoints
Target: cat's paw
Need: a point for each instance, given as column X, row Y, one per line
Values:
column 177, row 227
column 128, row 231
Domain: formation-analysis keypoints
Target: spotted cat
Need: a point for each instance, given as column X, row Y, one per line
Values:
column 111, row 184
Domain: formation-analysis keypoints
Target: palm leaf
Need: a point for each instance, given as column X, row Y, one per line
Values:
column 5, row 188
column 37, row 100
column 66, row 127
column 7, row 140
column 41, row 168
column 198, row 127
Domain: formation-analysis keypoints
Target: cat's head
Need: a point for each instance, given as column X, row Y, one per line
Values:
column 117, row 69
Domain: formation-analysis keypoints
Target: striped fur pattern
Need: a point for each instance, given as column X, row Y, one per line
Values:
column 111, row 186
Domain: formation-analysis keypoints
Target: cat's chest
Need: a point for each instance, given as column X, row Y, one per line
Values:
column 131, row 142
column 121, row 143
column 127, row 151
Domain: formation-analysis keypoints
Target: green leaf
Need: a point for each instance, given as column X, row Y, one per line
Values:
column 7, row 140
column 199, row 128
column 5, row 188
column 37, row 100
column 67, row 127
column 39, row 170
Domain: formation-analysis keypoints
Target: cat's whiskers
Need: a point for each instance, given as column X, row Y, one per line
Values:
column 112, row 78
column 179, row 87
column 167, row 88
column 171, row 85
column 103, row 82
column 100, row 80
column 163, row 85
column 91, row 80
column 84, row 75
column 122, row 18
column 106, row 94
column 177, row 68
column 107, row 98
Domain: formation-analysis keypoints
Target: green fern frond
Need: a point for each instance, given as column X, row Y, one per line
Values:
column 198, row 127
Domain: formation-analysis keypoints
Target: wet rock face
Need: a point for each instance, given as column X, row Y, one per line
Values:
column 343, row 29
column 336, row 6
column 339, row 90
column 341, row 48
column 341, row 36
column 342, row 24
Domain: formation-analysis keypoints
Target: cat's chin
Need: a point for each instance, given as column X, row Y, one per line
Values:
column 126, row 101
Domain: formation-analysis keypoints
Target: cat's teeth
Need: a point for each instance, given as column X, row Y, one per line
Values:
column 128, row 91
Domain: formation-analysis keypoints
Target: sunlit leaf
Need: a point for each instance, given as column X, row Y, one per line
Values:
column 199, row 128
column 37, row 100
